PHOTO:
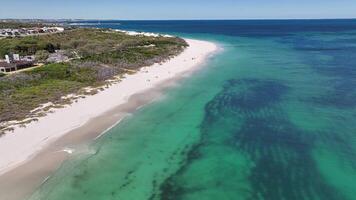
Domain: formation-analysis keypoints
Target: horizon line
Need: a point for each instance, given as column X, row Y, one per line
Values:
column 207, row 19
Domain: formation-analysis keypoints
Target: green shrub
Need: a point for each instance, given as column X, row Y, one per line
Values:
column 52, row 71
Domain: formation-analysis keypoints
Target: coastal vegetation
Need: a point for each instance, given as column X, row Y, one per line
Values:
column 94, row 56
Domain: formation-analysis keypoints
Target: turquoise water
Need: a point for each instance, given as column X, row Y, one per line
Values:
column 270, row 117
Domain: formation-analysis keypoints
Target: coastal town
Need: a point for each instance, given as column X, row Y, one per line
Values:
column 20, row 32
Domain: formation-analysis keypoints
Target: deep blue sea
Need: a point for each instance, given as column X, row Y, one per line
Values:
column 271, row 117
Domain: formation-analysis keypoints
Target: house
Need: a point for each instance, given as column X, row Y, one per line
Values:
column 17, row 65
column 6, row 67
column 15, row 62
column 11, row 58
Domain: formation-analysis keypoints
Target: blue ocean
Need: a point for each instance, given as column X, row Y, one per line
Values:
column 270, row 117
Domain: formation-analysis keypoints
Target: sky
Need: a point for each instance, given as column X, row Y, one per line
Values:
column 177, row 9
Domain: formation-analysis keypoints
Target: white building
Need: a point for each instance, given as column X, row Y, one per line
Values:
column 8, row 59
column 16, row 57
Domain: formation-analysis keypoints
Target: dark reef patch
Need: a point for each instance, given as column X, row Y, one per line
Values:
column 281, row 152
column 284, row 167
column 246, row 95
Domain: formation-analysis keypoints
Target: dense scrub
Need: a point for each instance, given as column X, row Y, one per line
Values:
column 84, row 42
column 25, row 91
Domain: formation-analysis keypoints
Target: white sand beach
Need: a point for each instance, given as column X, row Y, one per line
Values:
column 26, row 142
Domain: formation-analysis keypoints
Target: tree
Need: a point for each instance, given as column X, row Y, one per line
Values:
column 50, row 48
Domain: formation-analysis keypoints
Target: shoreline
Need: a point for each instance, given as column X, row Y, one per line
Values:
column 29, row 159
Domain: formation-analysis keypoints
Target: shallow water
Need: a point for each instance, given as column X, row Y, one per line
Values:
column 271, row 117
